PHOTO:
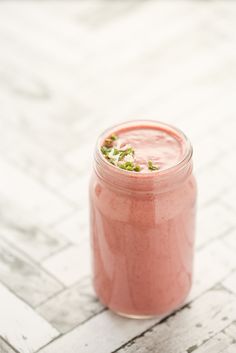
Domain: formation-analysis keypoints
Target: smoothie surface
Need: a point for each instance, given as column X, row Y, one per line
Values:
column 154, row 148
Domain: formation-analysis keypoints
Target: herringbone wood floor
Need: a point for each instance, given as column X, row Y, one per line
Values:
column 68, row 70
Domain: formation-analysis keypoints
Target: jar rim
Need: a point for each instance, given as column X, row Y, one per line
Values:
column 131, row 174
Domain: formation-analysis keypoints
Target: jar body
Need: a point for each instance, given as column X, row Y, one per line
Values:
column 142, row 246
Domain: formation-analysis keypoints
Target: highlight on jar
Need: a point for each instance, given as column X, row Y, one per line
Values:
column 142, row 218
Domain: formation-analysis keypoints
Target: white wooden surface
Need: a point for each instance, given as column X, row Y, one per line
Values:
column 69, row 69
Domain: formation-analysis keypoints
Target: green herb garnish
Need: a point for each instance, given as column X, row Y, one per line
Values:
column 151, row 166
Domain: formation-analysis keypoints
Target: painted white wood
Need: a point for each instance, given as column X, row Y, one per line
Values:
column 190, row 327
column 176, row 335
column 75, row 227
column 70, row 265
column 215, row 260
column 224, row 220
column 5, row 348
column 230, row 282
column 218, row 344
column 230, row 198
column 77, row 191
column 25, row 278
column 30, row 197
column 210, row 189
column 104, row 333
column 230, row 239
column 202, row 159
column 40, row 163
column 212, row 264
column 21, row 326
column 71, row 307
column 35, row 241
column 230, row 331
column 66, row 73
column 231, row 349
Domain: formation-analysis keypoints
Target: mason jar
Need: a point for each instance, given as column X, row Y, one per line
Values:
column 142, row 229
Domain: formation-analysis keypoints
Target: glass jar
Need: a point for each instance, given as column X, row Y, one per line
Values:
column 142, row 232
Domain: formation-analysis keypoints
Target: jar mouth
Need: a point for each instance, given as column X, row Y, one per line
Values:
column 184, row 160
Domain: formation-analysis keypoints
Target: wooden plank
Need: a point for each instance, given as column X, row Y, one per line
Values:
column 108, row 330
column 218, row 344
column 35, row 241
column 205, row 120
column 77, row 191
column 30, row 197
column 163, row 20
column 47, row 110
column 210, row 189
column 70, row 265
column 229, row 198
column 231, row 349
column 5, row 348
column 224, row 220
column 40, row 163
column 24, row 278
column 230, row 239
column 72, row 307
column 191, row 327
column 23, row 328
column 230, row 282
column 217, row 261
column 207, row 311
column 213, row 155
column 77, row 158
column 75, row 227
column 230, row 331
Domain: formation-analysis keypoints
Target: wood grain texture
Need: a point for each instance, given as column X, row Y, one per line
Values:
column 71, row 307
column 189, row 328
column 63, row 265
column 5, row 348
column 25, row 278
column 21, row 326
column 68, row 70
column 218, row 344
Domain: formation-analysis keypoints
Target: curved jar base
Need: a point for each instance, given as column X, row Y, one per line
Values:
column 148, row 317
column 136, row 317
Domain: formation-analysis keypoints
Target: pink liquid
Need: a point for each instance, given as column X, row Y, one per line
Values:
column 143, row 234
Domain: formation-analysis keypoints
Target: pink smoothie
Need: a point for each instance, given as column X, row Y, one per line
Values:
column 142, row 223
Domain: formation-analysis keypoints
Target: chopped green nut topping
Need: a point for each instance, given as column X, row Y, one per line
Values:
column 129, row 166
column 108, row 142
column 124, row 153
column 126, row 165
column 151, row 166
column 122, row 158
column 116, row 151
column 105, row 150
column 137, row 168
column 114, row 137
